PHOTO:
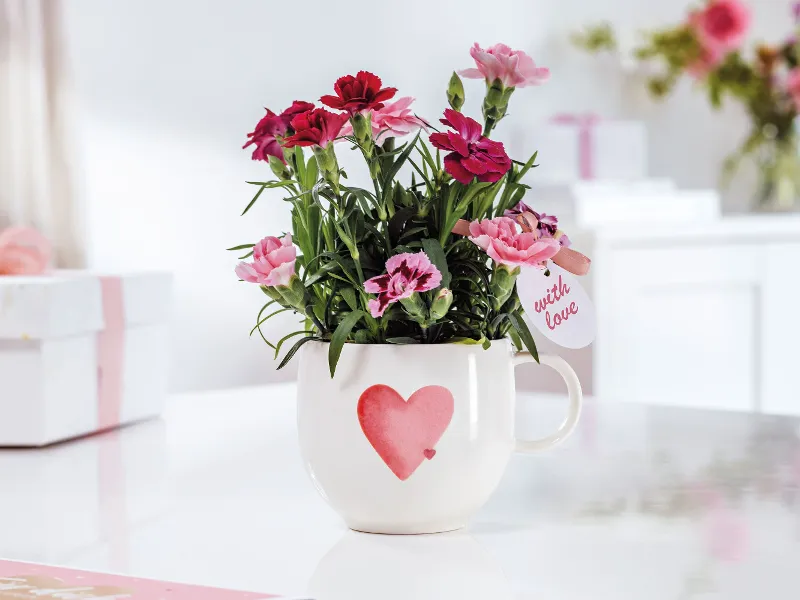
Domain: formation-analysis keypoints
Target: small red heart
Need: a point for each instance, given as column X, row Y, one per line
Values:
column 429, row 453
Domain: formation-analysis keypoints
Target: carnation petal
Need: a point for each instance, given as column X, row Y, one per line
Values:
column 452, row 164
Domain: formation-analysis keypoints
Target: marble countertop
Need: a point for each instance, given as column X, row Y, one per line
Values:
column 642, row 503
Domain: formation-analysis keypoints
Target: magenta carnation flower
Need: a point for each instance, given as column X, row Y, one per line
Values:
column 471, row 154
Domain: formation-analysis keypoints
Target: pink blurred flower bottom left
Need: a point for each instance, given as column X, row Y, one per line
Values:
column 22, row 581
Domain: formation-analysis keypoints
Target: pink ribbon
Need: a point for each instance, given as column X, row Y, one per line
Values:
column 585, row 124
column 23, row 251
column 110, row 354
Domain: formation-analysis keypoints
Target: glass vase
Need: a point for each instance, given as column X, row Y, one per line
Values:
column 779, row 177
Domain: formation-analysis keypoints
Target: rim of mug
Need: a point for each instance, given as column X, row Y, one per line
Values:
column 504, row 341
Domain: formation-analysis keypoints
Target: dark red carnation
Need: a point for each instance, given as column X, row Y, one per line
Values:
column 472, row 154
column 297, row 107
column 362, row 92
column 317, row 127
column 264, row 137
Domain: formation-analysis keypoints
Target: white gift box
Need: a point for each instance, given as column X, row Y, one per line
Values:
column 80, row 353
column 578, row 147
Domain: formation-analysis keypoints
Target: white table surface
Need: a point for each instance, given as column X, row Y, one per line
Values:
column 641, row 503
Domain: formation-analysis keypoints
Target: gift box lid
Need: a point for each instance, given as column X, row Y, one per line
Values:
column 146, row 295
column 49, row 306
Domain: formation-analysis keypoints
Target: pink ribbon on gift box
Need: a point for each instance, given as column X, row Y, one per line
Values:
column 110, row 354
column 585, row 123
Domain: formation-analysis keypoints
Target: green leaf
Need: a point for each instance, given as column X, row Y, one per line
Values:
column 253, row 201
column 264, row 186
column 395, row 168
column 401, row 340
column 267, row 318
column 261, row 312
column 299, row 161
column 293, row 350
column 518, row 323
column 436, row 254
column 339, row 337
column 311, row 174
column 288, row 336
column 349, row 296
column 241, row 247
column 523, row 171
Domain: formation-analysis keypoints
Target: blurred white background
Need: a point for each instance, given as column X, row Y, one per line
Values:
column 166, row 92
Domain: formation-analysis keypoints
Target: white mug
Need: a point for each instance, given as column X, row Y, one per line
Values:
column 414, row 438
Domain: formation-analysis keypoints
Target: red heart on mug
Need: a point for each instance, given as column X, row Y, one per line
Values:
column 404, row 433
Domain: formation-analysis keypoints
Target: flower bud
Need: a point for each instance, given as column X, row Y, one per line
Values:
column 415, row 307
column 502, row 284
column 441, row 304
column 294, row 294
column 279, row 168
column 362, row 127
column 455, row 92
column 328, row 165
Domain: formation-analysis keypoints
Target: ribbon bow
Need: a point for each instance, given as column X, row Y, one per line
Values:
column 23, row 251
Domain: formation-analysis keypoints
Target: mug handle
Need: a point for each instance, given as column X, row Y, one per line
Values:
column 575, row 402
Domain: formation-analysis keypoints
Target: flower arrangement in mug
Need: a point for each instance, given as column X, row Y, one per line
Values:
column 434, row 261
column 707, row 46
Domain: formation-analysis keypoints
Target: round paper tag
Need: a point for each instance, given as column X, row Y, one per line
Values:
column 557, row 306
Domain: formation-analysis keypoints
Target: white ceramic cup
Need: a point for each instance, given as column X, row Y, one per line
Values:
column 414, row 438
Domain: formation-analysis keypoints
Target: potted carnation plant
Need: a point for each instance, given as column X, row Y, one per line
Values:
column 411, row 323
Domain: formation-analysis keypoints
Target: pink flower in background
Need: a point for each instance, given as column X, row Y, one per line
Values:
column 23, row 251
column 297, row 107
column 500, row 239
column 273, row 262
column 709, row 59
column 793, row 86
column 317, row 127
column 472, row 154
column 393, row 120
column 264, row 136
column 405, row 274
column 722, row 24
column 796, row 11
column 513, row 68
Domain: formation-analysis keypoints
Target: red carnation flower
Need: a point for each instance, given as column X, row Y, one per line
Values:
column 472, row 154
column 297, row 107
column 264, row 137
column 362, row 92
column 317, row 127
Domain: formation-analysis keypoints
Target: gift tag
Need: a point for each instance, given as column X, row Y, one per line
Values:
column 557, row 305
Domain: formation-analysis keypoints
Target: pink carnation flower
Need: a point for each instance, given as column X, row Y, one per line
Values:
column 505, row 245
column 405, row 274
column 393, row 120
column 396, row 119
column 273, row 262
column 722, row 24
column 513, row 68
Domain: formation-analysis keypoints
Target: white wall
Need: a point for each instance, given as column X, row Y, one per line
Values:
column 169, row 88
